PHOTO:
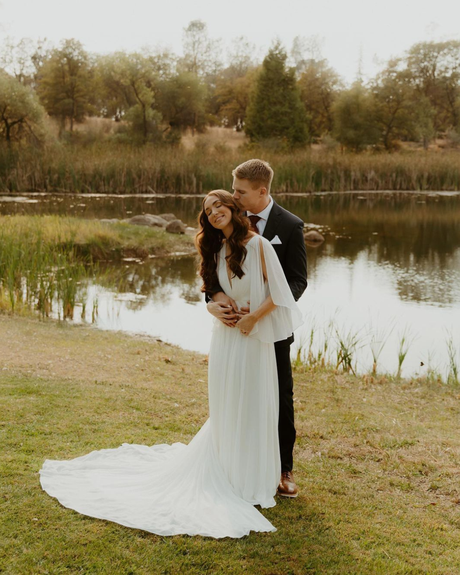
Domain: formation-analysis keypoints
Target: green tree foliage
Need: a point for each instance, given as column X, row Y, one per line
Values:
column 354, row 124
column 275, row 110
column 202, row 58
column 424, row 121
column 393, row 104
column 233, row 95
column 182, row 102
column 434, row 68
column 155, row 94
column 235, row 84
column 319, row 86
column 65, row 84
column 21, row 114
column 128, row 84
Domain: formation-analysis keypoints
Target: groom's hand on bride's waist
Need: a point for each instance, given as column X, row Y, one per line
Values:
column 224, row 309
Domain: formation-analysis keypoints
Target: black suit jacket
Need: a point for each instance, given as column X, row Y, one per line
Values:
column 291, row 251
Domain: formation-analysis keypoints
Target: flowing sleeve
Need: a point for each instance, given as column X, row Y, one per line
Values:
column 286, row 317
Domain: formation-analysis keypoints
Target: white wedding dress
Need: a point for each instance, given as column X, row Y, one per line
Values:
column 210, row 486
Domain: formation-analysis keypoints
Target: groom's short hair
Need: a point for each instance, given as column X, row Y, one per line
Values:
column 258, row 172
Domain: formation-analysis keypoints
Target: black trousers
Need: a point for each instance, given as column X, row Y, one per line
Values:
column 286, row 428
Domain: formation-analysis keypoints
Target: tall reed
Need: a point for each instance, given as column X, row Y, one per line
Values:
column 347, row 344
column 405, row 341
column 453, row 355
column 378, row 340
column 117, row 168
column 36, row 273
column 336, row 347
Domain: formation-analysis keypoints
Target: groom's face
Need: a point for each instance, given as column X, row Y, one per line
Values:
column 247, row 198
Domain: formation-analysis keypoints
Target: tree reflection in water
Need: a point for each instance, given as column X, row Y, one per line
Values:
column 157, row 279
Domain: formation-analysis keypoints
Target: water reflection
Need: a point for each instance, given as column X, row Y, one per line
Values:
column 158, row 279
column 390, row 262
column 159, row 298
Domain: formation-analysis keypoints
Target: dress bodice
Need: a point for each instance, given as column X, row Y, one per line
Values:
column 236, row 288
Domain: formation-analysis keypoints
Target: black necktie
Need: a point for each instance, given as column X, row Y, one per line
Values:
column 254, row 220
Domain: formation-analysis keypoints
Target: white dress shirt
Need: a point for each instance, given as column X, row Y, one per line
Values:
column 263, row 215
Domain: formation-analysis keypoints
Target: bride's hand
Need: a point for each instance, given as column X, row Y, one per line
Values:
column 246, row 324
column 244, row 310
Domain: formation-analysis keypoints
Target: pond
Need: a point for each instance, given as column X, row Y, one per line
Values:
column 388, row 274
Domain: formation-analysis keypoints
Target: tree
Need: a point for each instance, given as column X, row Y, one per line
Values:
column 393, row 103
column 182, row 102
column 235, row 83
column 241, row 58
column 65, row 84
column 319, row 86
column 129, row 85
column 424, row 121
column 161, row 61
column 305, row 50
column 434, row 68
column 354, row 125
column 233, row 95
column 275, row 109
column 21, row 114
column 16, row 59
column 201, row 54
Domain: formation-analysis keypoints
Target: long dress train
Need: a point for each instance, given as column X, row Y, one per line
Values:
column 210, row 486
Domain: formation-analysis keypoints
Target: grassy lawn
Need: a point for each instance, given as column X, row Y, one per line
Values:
column 377, row 463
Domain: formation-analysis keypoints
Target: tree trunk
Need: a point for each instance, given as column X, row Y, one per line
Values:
column 8, row 133
column 144, row 118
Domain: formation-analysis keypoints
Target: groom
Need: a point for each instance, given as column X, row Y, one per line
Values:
column 251, row 192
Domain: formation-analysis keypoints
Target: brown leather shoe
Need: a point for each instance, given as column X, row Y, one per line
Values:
column 287, row 486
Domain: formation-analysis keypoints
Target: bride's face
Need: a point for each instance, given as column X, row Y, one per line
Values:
column 219, row 215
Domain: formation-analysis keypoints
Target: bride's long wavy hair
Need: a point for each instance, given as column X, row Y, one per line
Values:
column 209, row 241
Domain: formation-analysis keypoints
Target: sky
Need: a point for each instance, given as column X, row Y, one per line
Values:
column 349, row 32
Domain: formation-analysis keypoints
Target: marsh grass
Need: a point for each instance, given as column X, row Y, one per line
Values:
column 453, row 355
column 106, row 168
column 405, row 341
column 378, row 340
column 377, row 463
column 348, row 342
column 334, row 347
column 36, row 273
column 47, row 261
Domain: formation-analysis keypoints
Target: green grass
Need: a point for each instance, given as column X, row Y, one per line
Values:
column 110, row 168
column 376, row 461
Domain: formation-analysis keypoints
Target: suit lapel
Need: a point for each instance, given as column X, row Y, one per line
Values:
column 272, row 222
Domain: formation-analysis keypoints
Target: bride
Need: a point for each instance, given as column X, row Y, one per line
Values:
column 210, row 486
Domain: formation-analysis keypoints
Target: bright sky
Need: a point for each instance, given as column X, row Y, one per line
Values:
column 347, row 28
